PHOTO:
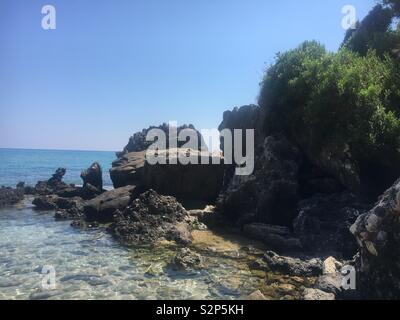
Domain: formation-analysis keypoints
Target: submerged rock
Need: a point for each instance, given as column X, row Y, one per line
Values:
column 151, row 218
column 187, row 260
column 9, row 196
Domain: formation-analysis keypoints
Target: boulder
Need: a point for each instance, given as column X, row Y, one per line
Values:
column 151, row 218
column 378, row 235
column 52, row 185
column 323, row 223
column 315, row 294
column 188, row 182
column 92, row 181
column 293, row 266
column 10, row 196
column 276, row 238
column 256, row 296
column 103, row 207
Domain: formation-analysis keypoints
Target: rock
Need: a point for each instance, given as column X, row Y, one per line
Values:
column 186, row 260
column 323, row 223
column 53, row 185
column 66, row 208
column 151, row 218
column 293, row 266
column 45, row 202
column 331, row 283
column 270, row 194
column 128, row 169
column 138, row 141
column 378, row 235
column 92, row 181
column 189, row 182
column 9, row 196
column 103, row 207
column 331, row 266
column 275, row 237
column 256, row 295
column 315, row 294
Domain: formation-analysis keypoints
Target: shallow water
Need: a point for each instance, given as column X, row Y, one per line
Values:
column 91, row 265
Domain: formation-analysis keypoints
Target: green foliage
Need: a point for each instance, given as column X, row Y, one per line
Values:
column 342, row 100
column 373, row 33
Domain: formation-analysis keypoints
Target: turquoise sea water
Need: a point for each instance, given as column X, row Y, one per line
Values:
column 32, row 165
column 89, row 264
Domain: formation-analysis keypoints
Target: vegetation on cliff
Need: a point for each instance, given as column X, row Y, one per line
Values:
column 344, row 106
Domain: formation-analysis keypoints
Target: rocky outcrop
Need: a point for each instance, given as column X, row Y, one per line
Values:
column 92, row 181
column 151, row 218
column 53, row 185
column 103, row 207
column 378, row 235
column 270, row 194
column 138, row 141
column 323, row 224
column 65, row 208
column 10, row 196
column 184, row 181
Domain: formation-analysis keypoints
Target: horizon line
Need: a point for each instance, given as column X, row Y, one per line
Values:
column 50, row 149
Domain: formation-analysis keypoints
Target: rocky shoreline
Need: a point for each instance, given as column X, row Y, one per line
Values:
column 300, row 211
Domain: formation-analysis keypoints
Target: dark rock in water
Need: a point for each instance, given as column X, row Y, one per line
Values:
column 138, row 141
column 189, row 182
column 293, row 266
column 186, row 260
column 270, row 194
column 103, row 207
column 92, row 181
column 45, row 202
column 9, row 196
column 53, row 185
column 324, row 221
column 378, row 235
column 275, row 237
column 150, row 218
column 67, row 208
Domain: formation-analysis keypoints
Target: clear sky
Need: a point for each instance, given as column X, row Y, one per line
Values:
column 113, row 67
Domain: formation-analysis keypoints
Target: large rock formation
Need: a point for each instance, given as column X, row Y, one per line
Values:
column 270, row 194
column 189, row 181
column 151, row 218
column 378, row 235
column 138, row 141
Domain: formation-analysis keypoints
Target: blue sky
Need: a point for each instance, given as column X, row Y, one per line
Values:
column 113, row 67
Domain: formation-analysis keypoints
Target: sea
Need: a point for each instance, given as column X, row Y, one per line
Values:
column 42, row 258
column 30, row 166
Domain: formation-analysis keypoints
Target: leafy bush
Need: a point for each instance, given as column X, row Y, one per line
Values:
column 340, row 101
